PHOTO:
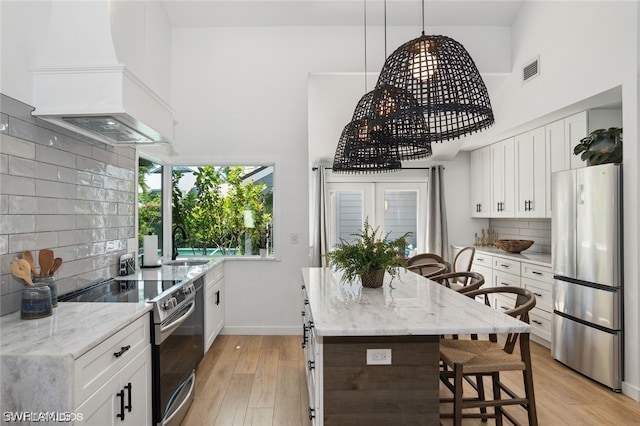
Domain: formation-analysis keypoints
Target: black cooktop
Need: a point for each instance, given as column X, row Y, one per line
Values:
column 127, row 291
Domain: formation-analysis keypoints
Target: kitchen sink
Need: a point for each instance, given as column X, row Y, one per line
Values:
column 186, row 262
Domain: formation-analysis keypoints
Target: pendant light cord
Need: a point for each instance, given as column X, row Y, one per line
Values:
column 385, row 30
column 422, row 17
column 366, row 85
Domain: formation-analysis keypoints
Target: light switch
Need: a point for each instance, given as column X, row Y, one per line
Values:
column 294, row 238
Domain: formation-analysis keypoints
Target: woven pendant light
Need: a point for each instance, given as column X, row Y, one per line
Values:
column 362, row 149
column 445, row 83
column 393, row 119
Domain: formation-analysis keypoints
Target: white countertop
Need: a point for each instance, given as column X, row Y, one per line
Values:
column 72, row 330
column 410, row 305
column 173, row 272
column 542, row 259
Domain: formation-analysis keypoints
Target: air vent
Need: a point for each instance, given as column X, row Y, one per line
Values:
column 531, row 70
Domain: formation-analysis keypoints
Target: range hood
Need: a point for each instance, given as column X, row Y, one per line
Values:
column 80, row 84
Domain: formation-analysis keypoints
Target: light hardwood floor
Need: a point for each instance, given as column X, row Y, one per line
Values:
column 260, row 381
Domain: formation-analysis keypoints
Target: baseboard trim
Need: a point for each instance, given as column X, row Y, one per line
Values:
column 261, row 331
column 631, row 391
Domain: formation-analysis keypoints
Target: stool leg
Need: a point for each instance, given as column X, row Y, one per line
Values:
column 481, row 397
column 457, row 397
column 527, row 376
column 495, row 378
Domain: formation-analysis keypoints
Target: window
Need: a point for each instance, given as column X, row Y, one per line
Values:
column 394, row 207
column 149, row 201
column 225, row 210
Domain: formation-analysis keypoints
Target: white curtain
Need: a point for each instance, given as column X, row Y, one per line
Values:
column 319, row 237
column 437, row 239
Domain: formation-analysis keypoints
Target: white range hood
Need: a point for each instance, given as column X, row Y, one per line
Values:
column 80, row 84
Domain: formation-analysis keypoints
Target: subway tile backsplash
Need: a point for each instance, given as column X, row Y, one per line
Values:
column 61, row 191
column 538, row 230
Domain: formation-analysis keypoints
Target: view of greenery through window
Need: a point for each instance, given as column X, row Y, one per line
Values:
column 149, row 201
column 225, row 210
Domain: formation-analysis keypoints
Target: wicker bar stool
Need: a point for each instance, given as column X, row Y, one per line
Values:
column 474, row 359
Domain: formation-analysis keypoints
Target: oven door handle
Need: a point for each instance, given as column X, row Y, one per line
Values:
column 168, row 329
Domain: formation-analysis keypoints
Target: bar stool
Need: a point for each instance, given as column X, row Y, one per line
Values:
column 470, row 359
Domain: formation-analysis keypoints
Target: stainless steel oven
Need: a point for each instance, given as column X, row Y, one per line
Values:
column 177, row 339
column 177, row 350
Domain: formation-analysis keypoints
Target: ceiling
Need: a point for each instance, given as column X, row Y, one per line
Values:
column 239, row 13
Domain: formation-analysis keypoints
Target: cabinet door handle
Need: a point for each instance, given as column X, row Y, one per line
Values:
column 122, row 350
column 303, row 313
column 312, row 413
column 128, row 388
column 311, row 364
column 121, row 396
column 304, row 336
column 479, row 208
column 306, row 301
column 218, row 297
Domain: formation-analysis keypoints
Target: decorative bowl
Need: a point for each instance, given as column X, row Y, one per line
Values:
column 513, row 246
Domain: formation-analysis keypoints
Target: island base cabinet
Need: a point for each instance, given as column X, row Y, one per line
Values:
column 403, row 393
column 124, row 399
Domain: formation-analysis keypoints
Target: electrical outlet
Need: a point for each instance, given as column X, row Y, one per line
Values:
column 294, row 238
column 378, row 356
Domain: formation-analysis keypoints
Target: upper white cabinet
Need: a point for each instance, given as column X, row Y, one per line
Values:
column 530, row 156
column 513, row 176
column 563, row 135
column 503, row 173
column 481, row 182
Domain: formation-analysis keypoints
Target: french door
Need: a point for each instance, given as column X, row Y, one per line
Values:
column 394, row 207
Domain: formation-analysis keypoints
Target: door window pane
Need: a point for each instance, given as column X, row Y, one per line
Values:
column 400, row 214
column 348, row 214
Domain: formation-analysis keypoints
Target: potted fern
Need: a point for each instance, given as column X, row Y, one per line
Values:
column 601, row 146
column 369, row 257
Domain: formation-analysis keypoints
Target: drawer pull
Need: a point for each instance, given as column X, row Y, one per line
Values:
column 504, row 308
column 503, row 283
column 537, row 294
column 311, row 364
column 122, row 350
column 121, row 414
column 537, row 322
column 306, row 301
column 312, row 413
column 303, row 313
column 504, row 266
column 481, row 259
column 128, row 388
column 536, row 272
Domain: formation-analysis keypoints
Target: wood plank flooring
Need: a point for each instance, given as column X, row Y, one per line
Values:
column 260, row 381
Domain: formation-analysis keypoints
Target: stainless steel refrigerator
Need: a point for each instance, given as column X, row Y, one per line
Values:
column 586, row 253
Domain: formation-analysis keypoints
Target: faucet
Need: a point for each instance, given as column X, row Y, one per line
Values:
column 173, row 240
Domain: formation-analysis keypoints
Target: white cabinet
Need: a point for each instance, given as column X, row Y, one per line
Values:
column 503, row 173
column 575, row 128
column 125, row 398
column 558, row 155
column 312, row 347
column 539, row 280
column 531, row 159
column 481, row 182
column 214, row 311
column 113, row 380
column 482, row 264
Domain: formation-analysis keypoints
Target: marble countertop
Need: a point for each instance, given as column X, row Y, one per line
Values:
column 542, row 259
column 173, row 272
column 408, row 305
column 73, row 329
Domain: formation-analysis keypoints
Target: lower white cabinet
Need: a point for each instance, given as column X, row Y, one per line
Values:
column 504, row 270
column 113, row 380
column 125, row 399
column 214, row 311
column 313, row 362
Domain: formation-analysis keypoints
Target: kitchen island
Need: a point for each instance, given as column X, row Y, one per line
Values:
column 372, row 354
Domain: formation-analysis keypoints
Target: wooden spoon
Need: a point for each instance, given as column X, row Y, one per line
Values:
column 20, row 268
column 26, row 255
column 45, row 258
column 56, row 264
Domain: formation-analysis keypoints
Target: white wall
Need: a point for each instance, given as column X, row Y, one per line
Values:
column 242, row 92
